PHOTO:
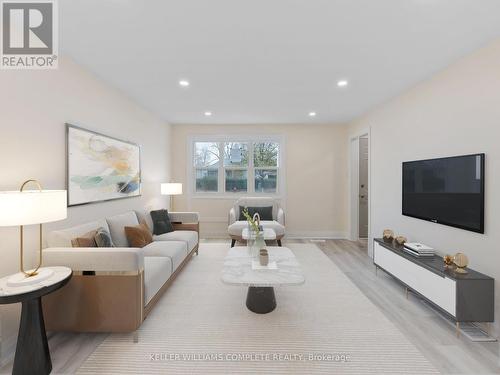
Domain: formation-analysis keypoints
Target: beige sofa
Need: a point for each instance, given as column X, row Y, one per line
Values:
column 114, row 289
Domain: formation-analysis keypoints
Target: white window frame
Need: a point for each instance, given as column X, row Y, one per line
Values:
column 250, row 140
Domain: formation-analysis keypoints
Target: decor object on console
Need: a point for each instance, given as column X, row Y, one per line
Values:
column 448, row 261
column 100, row 168
column 388, row 235
column 171, row 189
column 400, row 240
column 21, row 208
column 236, row 226
column 461, row 261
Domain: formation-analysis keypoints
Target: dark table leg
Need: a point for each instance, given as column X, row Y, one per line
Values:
column 32, row 351
column 261, row 300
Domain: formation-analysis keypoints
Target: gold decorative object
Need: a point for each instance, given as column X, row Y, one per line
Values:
column 263, row 257
column 461, row 261
column 448, row 261
column 388, row 235
column 401, row 240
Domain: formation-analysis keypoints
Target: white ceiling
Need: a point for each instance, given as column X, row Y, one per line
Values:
column 270, row 61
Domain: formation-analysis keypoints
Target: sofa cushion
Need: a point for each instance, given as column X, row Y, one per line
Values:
column 161, row 222
column 237, row 227
column 175, row 250
column 138, row 236
column 103, row 238
column 190, row 237
column 85, row 240
column 265, row 213
column 117, row 226
column 157, row 270
column 62, row 238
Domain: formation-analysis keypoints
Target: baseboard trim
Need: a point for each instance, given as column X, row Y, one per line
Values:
column 316, row 235
column 303, row 235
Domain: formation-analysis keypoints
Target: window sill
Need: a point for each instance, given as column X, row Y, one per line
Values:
column 233, row 196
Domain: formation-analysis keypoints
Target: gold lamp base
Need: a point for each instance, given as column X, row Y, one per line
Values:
column 32, row 272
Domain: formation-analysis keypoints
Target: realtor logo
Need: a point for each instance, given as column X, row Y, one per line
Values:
column 29, row 35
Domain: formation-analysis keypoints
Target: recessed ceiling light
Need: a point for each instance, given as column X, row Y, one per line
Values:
column 208, row 113
column 312, row 114
column 183, row 83
column 342, row 83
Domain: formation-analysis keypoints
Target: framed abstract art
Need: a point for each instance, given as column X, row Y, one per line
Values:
column 100, row 168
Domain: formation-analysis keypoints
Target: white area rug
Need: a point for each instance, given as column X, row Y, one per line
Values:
column 202, row 326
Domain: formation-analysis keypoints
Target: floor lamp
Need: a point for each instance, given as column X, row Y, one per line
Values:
column 171, row 188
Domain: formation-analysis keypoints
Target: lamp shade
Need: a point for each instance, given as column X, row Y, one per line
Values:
column 32, row 207
column 171, row 188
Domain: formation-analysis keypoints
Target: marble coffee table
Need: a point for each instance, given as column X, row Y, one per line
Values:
column 237, row 270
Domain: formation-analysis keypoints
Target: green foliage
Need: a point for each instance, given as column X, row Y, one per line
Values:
column 250, row 220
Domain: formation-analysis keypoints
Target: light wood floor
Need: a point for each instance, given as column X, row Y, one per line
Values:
column 418, row 322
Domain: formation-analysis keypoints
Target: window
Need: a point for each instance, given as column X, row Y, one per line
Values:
column 265, row 161
column 229, row 166
column 206, row 163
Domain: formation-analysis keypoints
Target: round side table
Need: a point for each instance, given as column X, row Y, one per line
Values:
column 32, row 351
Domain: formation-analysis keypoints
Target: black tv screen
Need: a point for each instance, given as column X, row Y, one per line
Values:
column 447, row 191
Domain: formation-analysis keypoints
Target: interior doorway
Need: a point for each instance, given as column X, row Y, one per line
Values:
column 360, row 186
column 363, row 187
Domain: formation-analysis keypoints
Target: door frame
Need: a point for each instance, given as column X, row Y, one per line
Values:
column 353, row 191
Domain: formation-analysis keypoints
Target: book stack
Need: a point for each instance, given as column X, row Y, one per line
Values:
column 418, row 249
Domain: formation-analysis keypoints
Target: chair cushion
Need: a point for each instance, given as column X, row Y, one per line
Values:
column 190, row 237
column 237, row 227
column 138, row 236
column 157, row 270
column 265, row 213
column 175, row 250
column 161, row 222
column 117, row 226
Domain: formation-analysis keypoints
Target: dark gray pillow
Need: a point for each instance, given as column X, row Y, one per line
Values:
column 265, row 213
column 161, row 222
column 103, row 238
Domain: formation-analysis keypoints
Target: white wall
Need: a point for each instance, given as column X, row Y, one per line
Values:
column 34, row 108
column 316, row 177
column 455, row 112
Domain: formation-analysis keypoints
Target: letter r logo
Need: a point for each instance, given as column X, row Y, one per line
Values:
column 27, row 28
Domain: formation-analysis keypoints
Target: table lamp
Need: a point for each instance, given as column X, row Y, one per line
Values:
column 171, row 188
column 28, row 207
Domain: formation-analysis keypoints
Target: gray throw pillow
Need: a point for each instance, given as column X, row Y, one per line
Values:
column 265, row 213
column 161, row 222
column 103, row 238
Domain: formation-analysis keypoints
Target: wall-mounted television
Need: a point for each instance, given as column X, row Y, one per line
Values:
column 447, row 191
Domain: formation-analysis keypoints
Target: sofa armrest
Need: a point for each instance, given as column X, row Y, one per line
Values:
column 232, row 216
column 184, row 217
column 110, row 259
column 281, row 216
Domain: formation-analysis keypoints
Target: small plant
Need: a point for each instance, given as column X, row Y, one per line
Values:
column 251, row 221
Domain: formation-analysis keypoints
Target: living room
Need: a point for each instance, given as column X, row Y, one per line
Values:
column 314, row 115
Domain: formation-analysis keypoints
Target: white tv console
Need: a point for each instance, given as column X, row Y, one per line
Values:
column 463, row 297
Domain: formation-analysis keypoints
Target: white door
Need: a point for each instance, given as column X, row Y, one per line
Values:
column 363, row 187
